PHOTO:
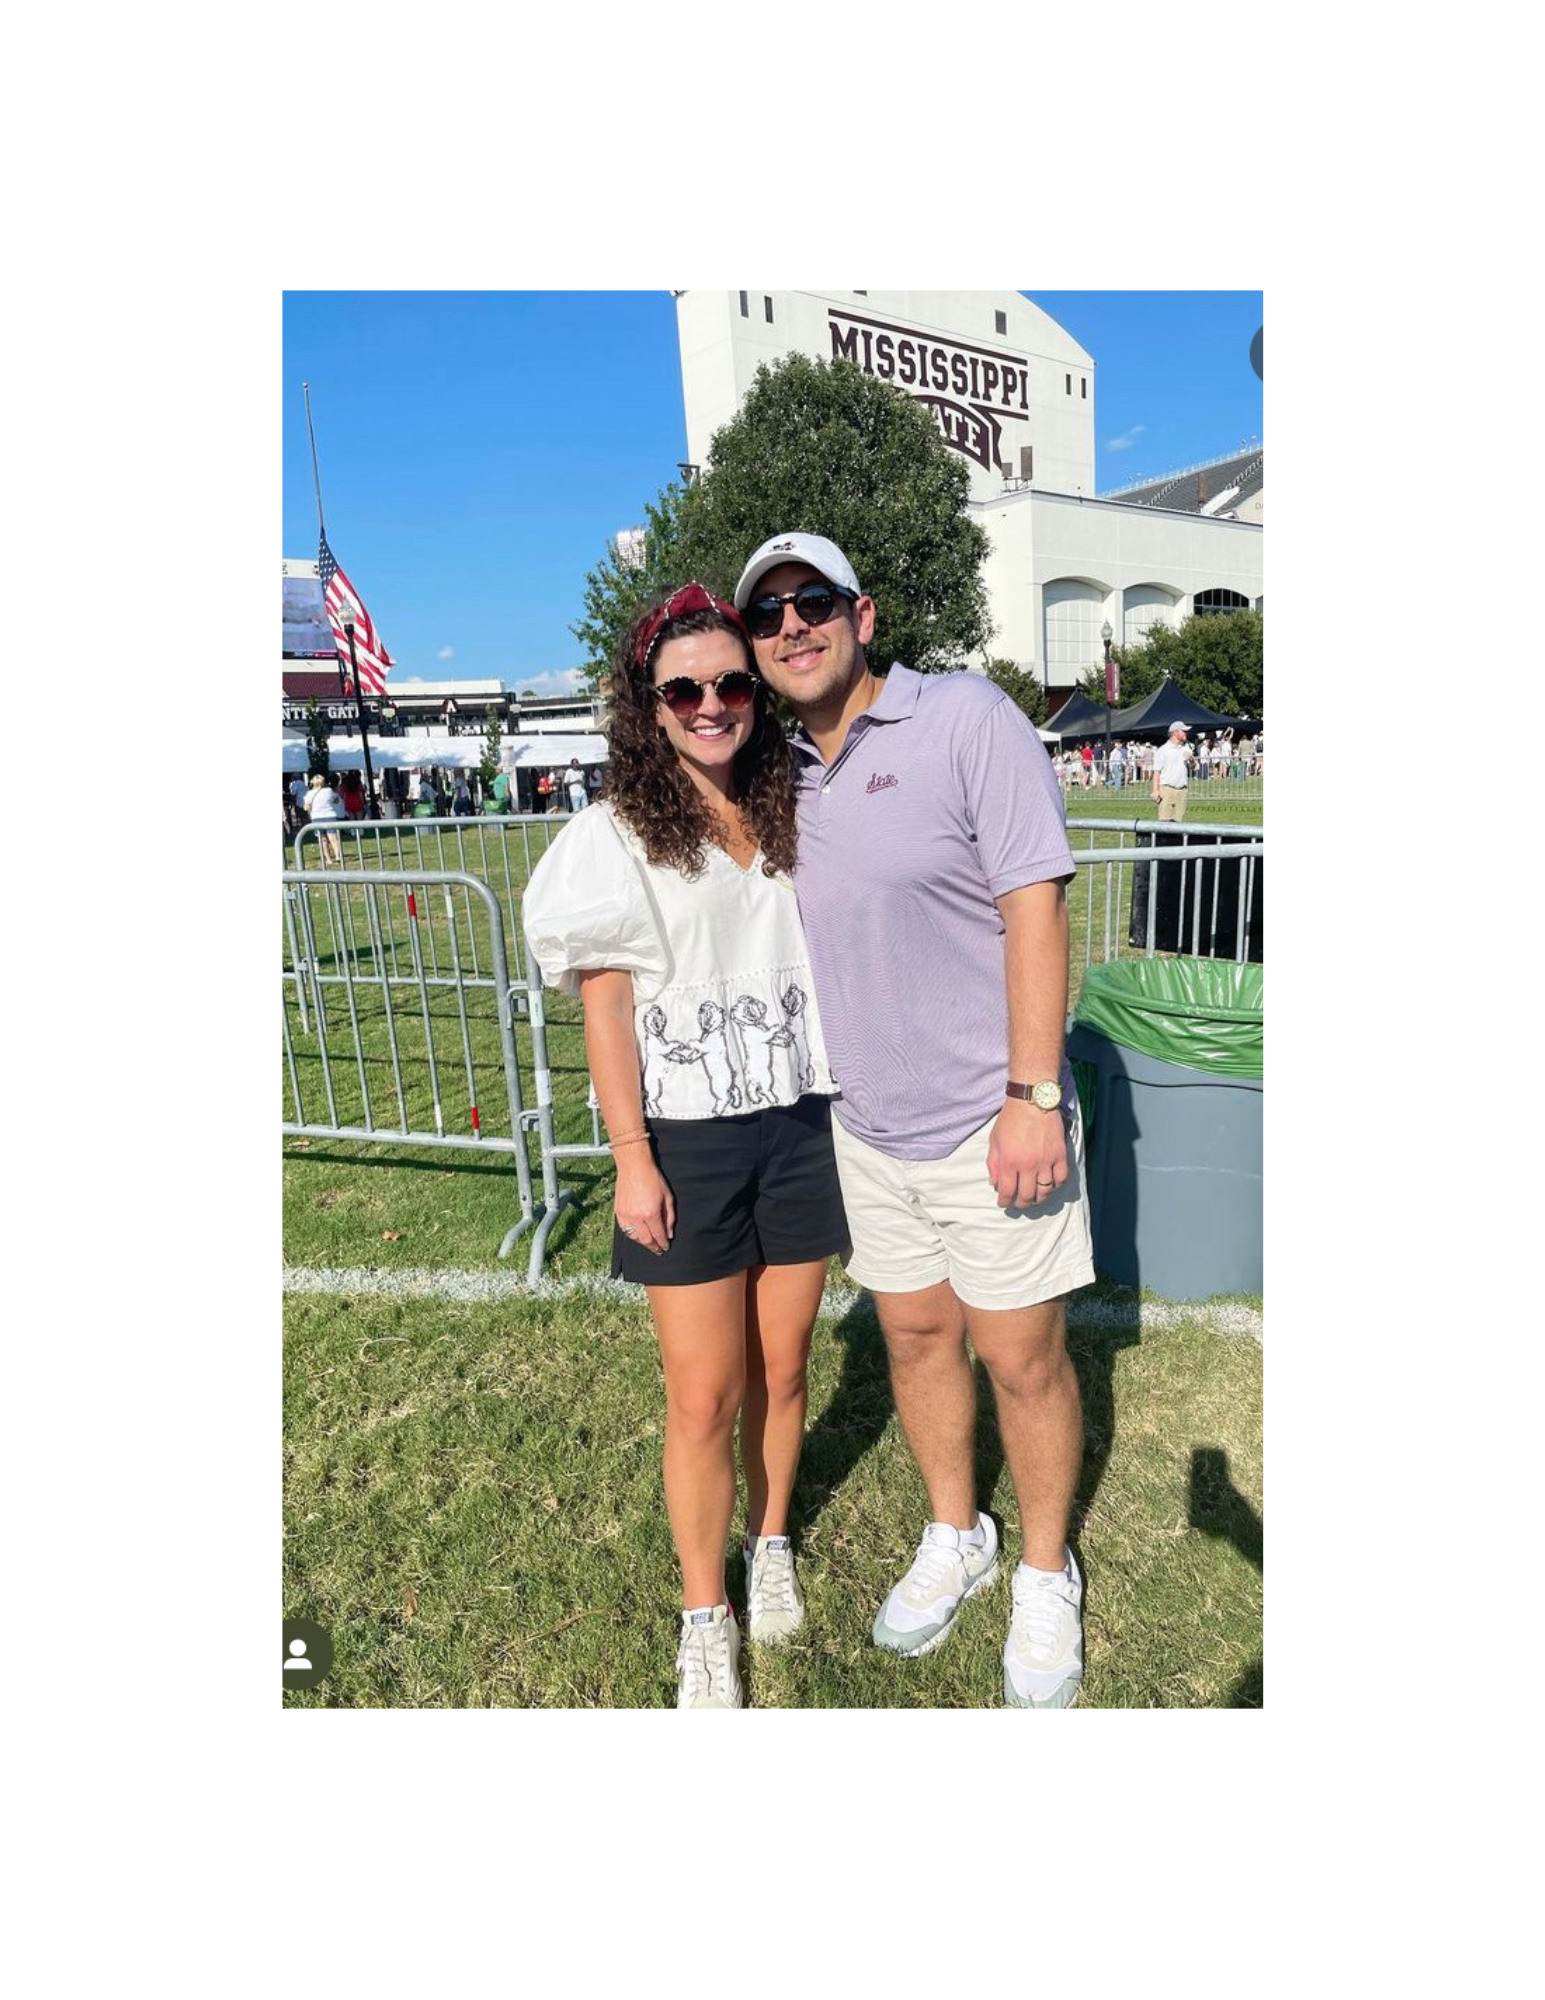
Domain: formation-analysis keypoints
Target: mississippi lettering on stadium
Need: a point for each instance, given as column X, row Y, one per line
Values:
column 1014, row 394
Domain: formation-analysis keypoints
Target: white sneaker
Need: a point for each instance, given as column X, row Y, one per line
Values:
column 775, row 1605
column 1043, row 1661
column 918, row 1614
column 708, row 1660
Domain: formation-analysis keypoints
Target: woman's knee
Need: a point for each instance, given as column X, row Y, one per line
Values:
column 704, row 1409
column 781, row 1376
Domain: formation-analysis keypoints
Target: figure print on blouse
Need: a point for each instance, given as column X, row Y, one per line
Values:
column 717, row 1059
column 659, row 1055
column 734, row 1073
column 794, row 1005
column 750, row 1015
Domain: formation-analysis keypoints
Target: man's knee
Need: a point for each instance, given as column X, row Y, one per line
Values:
column 1026, row 1354
column 921, row 1326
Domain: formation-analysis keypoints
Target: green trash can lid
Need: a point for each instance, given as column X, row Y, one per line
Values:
column 1203, row 1013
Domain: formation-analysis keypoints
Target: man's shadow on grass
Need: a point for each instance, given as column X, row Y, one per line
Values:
column 1219, row 1509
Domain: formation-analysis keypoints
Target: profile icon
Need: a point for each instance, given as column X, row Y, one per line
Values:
column 308, row 1654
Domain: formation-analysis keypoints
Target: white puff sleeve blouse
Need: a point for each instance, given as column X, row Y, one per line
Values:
column 724, row 1006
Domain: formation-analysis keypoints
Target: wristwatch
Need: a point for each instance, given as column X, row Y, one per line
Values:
column 1045, row 1096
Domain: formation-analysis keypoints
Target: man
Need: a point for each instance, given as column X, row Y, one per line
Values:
column 1172, row 774
column 1117, row 766
column 932, row 864
column 574, row 785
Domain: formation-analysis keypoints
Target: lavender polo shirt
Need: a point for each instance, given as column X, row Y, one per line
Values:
column 941, row 798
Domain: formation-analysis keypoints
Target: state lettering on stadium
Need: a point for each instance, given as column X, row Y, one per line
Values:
column 968, row 389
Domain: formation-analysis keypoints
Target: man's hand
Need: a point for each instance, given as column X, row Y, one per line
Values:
column 1027, row 1155
column 645, row 1206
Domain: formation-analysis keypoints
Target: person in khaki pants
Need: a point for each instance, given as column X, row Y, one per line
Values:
column 1171, row 774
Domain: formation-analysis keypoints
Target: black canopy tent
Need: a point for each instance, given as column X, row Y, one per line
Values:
column 1164, row 706
column 1078, row 716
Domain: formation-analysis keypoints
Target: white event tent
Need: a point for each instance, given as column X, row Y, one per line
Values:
column 450, row 753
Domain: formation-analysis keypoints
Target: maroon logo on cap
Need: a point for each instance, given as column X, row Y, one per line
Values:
column 783, row 545
column 881, row 784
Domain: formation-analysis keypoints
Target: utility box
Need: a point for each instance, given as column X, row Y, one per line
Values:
column 1196, row 905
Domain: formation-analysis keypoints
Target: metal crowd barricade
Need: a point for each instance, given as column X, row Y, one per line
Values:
column 368, row 1067
column 497, row 850
column 1103, row 894
column 346, row 937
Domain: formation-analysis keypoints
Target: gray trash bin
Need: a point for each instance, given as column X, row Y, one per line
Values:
column 1167, row 1054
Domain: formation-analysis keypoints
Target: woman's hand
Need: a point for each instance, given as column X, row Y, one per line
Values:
column 645, row 1206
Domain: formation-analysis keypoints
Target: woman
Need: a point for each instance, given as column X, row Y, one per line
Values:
column 323, row 804
column 669, row 909
column 353, row 794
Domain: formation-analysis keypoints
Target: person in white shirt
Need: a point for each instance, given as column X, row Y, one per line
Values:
column 1172, row 774
column 574, row 782
column 323, row 803
column 668, row 908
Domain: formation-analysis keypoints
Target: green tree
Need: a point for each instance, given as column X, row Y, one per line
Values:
column 488, row 764
column 1023, row 689
column 1218, row 661
column 318, row 754
column 823, row 447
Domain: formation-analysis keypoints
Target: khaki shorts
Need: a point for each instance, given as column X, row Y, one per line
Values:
column 1172, row 801
column 917, row 1222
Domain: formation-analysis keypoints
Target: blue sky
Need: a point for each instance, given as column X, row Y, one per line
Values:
column 479, row 449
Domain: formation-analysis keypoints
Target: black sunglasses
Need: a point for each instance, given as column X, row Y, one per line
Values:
column 813, row 604
column 683, row 696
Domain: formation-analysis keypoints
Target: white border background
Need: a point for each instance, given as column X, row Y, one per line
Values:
column 182, row 1822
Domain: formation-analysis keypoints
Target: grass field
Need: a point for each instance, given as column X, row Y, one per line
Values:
column 473, row 1499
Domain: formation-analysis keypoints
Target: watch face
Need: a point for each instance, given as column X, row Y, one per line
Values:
column 1047, row 1096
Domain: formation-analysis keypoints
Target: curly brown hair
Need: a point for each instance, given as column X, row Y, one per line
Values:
column 653, row 794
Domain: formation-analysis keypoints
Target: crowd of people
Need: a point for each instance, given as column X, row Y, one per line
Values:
column 431, row 793
column 1083, row 765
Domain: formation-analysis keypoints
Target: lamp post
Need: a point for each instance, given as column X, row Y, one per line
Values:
column 1107, row 635
column 347, row 614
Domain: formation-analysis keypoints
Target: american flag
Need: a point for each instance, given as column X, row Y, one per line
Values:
column 375, row 663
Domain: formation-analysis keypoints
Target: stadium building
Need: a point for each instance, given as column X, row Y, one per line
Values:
column 1013, row 394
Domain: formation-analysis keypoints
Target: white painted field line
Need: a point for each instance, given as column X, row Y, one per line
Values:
column 488, row 1287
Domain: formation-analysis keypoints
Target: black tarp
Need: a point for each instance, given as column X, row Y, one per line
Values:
column 1078, row 716
column 1166, row 705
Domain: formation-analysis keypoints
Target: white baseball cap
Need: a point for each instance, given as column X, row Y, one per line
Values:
column 815, row 550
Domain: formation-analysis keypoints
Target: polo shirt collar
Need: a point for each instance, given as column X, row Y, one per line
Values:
column 896, row 701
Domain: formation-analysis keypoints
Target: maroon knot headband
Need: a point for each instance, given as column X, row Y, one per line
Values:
column 691, row 597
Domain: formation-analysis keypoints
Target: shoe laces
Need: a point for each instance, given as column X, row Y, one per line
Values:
column 1040, row 1606
column 772, row 1580
column 704, row 1659
column 935, row 1568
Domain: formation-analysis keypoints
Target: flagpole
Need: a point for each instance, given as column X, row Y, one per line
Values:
column 305, row 387
column 348, row 624
column 315, row 474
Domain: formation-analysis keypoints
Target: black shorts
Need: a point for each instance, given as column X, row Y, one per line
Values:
column 760, row 1189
